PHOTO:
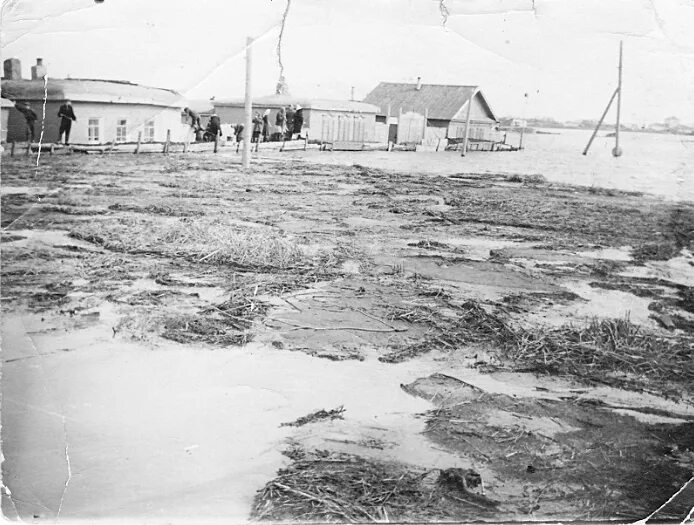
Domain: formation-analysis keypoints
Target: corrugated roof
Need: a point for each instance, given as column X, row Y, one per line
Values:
column 91, row 90
column 277, row 101
column 441, row 101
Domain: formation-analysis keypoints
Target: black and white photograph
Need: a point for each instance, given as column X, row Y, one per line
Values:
column 347, row 261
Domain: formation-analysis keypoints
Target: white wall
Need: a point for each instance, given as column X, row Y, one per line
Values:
column 108, row 114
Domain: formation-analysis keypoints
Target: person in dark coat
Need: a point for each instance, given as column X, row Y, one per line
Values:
column 214, row 126
column 289, row 120
column 30, row 117
column 281, row 124
column 194, row 118
column 66, row 116
column 266, row 125
column 298, row 120
column 238, row 131
column 257, row 127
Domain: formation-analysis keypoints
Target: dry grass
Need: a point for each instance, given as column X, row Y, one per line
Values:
column 331, row 487
column 201, row 240
column 613, row 351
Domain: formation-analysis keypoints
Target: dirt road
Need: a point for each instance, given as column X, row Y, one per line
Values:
column 183, row 340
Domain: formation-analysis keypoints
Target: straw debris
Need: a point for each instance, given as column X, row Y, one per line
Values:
column 318, row 415
column 327, row 486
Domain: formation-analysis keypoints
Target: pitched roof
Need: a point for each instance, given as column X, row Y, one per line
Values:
column 441, row 101
column 90, row 90
column 277, row 101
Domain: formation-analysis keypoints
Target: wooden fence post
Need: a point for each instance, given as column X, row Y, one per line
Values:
column 139, row 141
column 12, row 149
column 28, row 148
column 168, row 141
column 216, row 143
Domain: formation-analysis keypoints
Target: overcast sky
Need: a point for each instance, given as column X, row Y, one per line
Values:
column 563, row 53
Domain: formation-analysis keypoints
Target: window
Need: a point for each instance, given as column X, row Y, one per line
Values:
column 149, row 131
column 121, row 130
column 94, row 130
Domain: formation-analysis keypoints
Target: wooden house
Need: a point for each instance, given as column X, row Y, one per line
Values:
column 425, row 113
column 106, row 110
column 324, row 120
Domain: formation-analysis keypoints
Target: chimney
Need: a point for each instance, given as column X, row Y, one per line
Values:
column 12, row 69
column 419, row 84
column 39, row 70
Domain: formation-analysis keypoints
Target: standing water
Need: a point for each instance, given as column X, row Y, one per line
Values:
column 652, row 163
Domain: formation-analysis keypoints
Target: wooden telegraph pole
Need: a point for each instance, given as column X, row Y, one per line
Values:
column 467, row 124
column 247, row 129
column 616, row 151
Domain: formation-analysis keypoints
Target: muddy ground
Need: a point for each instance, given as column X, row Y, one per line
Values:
column 553, row 328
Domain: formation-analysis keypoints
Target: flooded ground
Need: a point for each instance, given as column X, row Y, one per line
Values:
column 652, row 163
column 183, row 341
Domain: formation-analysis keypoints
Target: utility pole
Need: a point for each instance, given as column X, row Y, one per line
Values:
column 617, row 151
column 467, row 124
column 248, row 126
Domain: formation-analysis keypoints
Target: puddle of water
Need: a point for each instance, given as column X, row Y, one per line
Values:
column 611, row 254
column 48, row 238
column 482, row 273
column 679, row 270
column 161, row 431
column 599, row 303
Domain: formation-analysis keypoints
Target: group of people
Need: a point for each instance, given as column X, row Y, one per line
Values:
column 65, row 113
column 213, row 129
column 288, row 124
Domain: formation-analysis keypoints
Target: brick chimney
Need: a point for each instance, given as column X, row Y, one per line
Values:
column 39, row 70
column 419, row 84
column 12, row 69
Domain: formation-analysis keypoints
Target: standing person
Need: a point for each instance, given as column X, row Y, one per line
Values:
column 257, row 127
column 266, row 125
column 66, row 116
column 289, row 121
column 281, row 123
column 214, row 126
column 30, row 117
column 298, row 120
column 194, row 118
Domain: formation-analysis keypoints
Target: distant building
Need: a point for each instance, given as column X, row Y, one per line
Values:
column 106, row 110
column 324, row 120
column 444, row 107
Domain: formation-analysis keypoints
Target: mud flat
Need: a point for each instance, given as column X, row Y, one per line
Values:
column 182, row 340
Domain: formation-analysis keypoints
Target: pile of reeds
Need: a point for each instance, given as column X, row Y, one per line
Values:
column 200, row 240
column 335, row 487
column 604, row 349
column 613, row 351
